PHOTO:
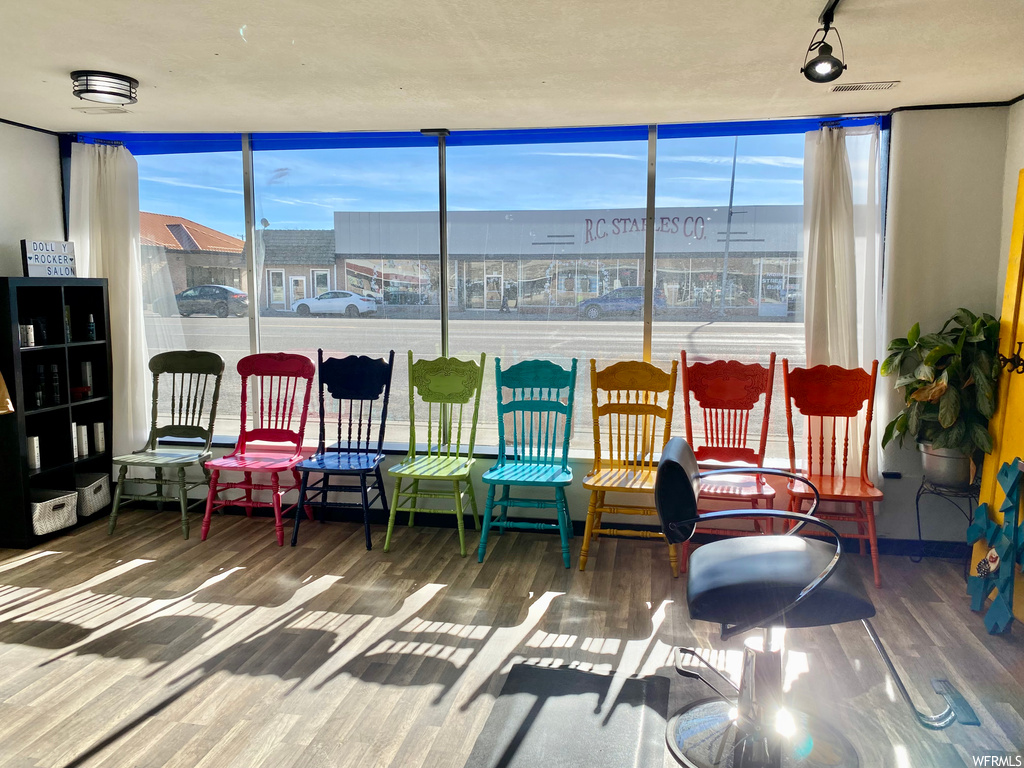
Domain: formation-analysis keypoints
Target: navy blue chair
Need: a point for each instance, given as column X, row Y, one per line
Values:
column 360, row 387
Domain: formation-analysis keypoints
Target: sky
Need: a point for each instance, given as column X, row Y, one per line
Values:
column 301, row 189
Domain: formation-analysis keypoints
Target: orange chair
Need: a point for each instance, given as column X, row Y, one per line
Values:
column 830, row 397
column 281, row 383
column 632, row 404
column 727, row 393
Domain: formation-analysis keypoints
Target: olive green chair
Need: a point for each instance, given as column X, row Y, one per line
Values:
column 192, row 381
column 447, row 387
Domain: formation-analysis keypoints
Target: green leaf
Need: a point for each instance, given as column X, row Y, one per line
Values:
column 949, row 407
column 890, row 430
column 925, row 372
column 914, row 334
column 984, row 392
column 903, row 381
column 914, row 419
column 938, row 353
column 891, row 364
column 965, row 317
column 981, row 438
column 960, row 342
column 932, row 340
column 899, row 345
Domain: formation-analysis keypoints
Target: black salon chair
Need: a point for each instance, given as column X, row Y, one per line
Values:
column 769, row 583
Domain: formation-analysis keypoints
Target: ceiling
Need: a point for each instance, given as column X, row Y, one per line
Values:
column 325, row 65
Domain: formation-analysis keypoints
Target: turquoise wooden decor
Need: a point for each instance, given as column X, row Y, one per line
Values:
column 1007, row 542
column 538, row 412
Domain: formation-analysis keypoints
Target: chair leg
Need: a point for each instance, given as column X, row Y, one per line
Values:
column 598, row 515
column 486, row 527
column 248, row 494
column 415, row 490
column 506, row 492
column 366, row 510
column 117, row 498
column 564, row 524
column 305, row 507
column 459, row 522
column 275, row 497
column 873, row 540
column 183, row 500
column 302, row 502
column 673, row 560
column 210, row 495
column 380, row 488
column 159, row 489
column 591, row 513
column 684, row 556
column 391, row 516
column 472, row 503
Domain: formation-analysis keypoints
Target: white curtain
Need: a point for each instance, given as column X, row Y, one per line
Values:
column 843, row 247
column 104, row 226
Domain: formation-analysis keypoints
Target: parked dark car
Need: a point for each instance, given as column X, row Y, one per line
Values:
column 219, row 300
column 628, row 300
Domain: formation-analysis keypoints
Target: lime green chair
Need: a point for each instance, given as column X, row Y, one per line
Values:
column 446, row 386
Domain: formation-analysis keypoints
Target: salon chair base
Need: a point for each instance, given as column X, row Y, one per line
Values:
column 704, row 735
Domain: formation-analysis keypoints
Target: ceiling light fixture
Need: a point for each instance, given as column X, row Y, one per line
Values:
column 820, row 66
column 104, row 87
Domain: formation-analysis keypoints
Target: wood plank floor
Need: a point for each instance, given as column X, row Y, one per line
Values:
column 142, row 649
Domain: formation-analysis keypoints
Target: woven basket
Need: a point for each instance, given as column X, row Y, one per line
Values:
column 93, row 493
column 53, row 510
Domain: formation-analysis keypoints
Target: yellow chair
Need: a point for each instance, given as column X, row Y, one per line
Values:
column 632, row 404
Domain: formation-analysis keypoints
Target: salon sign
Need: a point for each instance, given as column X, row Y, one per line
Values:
column 48, row 258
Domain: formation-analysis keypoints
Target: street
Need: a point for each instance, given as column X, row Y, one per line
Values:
column 508, row 338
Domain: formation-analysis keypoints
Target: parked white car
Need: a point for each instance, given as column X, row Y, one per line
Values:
column 335, row 303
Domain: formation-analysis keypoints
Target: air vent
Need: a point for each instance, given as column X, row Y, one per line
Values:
column 111, row 110
column 883, row 86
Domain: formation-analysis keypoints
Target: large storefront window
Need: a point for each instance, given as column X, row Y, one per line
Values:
column 729, row 257
column 541, row 264
column 194, row 272
column 349, row 246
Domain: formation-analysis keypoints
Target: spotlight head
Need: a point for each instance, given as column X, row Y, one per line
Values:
column 824, row 67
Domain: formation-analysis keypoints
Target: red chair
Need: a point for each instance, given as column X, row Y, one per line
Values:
column 274, row 445
column 727, row 393
column 830, row 397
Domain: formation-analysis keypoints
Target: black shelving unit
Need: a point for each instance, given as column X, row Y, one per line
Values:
column 62, row 340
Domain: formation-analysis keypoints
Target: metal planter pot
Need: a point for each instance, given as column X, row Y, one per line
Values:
column 945, row 466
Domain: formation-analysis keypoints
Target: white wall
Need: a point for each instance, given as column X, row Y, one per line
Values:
column 1014, row 164
column 30, row 192
column 944, row 230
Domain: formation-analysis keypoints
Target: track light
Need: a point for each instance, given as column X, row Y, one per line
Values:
column 104, row 87
column 823, row 67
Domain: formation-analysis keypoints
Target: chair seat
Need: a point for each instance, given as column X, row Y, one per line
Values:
column 736, row 580
column 836, row 489
column 340, row 462
column 163, row 457
column 434, row 467
column 620, row 479
column 736, row 487
column 258, row 460
column 527, row 473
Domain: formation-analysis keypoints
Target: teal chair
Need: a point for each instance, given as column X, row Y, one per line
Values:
column 538, row 410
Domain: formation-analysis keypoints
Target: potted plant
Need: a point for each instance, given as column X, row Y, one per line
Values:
column 949, row 383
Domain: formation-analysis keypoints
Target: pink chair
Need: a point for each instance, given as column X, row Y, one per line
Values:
column 274, row 445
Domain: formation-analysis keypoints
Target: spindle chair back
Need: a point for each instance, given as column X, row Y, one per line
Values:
column 353, row 395
column 281, row 383
column 830, row 399
column 535, row 404
column 727, row 394
column 632, row 405
column 449, row 389
column 186, row 389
